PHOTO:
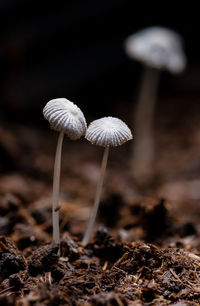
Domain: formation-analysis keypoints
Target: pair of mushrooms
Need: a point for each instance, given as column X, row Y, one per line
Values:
column 66, row 118
column 158, row 49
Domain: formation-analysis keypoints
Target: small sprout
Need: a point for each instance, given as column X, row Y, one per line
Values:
column 66, row 118
column 158, row 49
column 106, row 132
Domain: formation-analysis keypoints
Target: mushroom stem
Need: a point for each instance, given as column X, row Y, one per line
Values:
column 56, row 189
column 88, row 232
column 143, row 149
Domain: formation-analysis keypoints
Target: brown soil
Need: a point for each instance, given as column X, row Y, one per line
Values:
column 145, row 249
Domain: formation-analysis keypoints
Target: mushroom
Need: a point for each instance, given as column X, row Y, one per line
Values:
column 158, row 49
column 106, row 132
column 66, row 118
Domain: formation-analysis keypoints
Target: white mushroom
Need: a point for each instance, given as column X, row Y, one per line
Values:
column 66, row 118
column 158, row 49
column 106, row 132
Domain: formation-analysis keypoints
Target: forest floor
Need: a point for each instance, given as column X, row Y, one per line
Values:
column 145, row 249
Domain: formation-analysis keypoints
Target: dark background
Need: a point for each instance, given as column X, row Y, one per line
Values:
column 74, row 49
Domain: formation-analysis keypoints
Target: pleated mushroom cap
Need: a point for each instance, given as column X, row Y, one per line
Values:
column 64, row 115
column 108, row 132
column 157, row 47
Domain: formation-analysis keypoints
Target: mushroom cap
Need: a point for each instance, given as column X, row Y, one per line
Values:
column 108, row 132
column 65, row 116
column 157, row 47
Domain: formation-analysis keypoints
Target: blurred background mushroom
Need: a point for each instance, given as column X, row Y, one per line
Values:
column 158, row 49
